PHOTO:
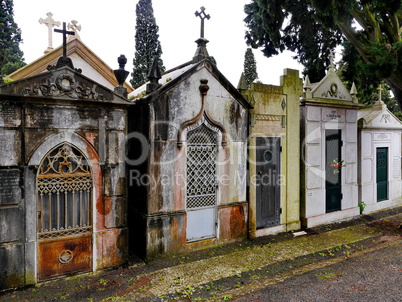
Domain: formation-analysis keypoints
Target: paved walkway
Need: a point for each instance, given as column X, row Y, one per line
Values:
column 227, row 272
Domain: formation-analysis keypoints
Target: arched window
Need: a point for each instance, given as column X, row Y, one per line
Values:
column 64, row 188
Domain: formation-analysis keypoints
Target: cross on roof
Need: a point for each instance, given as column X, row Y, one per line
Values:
column 379, row 92
column 332, row 61
column 65, row 32
column 202, row 16
column 49, row 22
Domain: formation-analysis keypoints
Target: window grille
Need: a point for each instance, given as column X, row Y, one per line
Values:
column 64, row 185
column 201, row 167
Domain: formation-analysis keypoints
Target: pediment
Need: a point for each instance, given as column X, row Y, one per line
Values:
column 331, row 88
column 63, row 83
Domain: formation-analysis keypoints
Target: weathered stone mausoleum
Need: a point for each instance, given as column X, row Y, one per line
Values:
column 380, row 183
column 187, row 159
column 63, row 189
column 274, row 155
column 329, row 188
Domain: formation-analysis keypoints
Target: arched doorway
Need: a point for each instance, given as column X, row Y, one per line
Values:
column 202, row 185
column 64, row 205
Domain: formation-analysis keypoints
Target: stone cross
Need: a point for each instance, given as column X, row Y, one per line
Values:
column 64, row 32
column 331, row 61
column 202, row 16
column 379, row 92
column 49, row 22
column 73, row 26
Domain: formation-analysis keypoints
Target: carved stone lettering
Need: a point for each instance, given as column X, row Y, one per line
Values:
column 10, row 190
column 9, row 116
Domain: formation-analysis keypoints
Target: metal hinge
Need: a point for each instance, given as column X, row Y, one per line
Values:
column 341, row 195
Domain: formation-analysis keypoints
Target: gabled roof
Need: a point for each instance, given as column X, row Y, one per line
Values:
column 332, row 88
column 63, row 83
column 82, row 56
column 173, row 76
column 378, row 116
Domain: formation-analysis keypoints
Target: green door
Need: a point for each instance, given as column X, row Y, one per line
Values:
column 333, row 183
column 382, row 174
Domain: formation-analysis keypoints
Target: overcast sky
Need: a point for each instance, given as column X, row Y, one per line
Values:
column 108, row 28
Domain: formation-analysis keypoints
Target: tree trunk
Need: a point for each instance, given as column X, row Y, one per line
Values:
column 395, row 83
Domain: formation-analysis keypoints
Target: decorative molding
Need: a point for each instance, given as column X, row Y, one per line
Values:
column 268, row 117
column 333, row 92
column 64, row 85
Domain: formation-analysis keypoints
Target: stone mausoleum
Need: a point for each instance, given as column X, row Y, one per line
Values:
column 62, row 175
column 274, row 155
column 187, row 159
column 329, row 188
column 380, row 183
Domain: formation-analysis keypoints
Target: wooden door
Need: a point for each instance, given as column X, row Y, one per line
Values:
column 333, row 176
column 268, row 193
column 64, row 228
column 382, row 174
column 201, row 183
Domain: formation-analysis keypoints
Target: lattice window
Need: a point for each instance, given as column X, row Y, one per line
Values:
column 201, row 167
column 64, row 185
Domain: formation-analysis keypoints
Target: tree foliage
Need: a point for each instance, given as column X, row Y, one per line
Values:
column 313, row 28
column 147, row 44
column 250, row 67
column 11, row 56
column 352, row 69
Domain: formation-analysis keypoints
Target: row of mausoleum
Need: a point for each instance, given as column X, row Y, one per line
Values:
column 92, row 171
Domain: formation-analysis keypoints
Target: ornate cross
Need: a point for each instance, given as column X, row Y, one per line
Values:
column 49, row 22
column 73, row 26
column 64, row 32
column 202, row 16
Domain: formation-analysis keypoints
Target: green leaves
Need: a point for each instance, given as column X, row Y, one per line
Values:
column 147, row 44
column 11, row 57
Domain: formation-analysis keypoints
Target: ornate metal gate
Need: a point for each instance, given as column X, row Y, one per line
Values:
column 201, row 183
column 64, row 187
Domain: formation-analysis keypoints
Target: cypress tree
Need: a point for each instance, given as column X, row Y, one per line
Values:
column 147, row 44
column 11, row 56
column 250, row 67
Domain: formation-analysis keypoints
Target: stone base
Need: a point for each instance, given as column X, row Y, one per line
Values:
column 291, row 226
column 381, row 205
column 331, row 217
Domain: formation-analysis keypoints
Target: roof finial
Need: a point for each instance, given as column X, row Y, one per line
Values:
column 201, row 52
column 64, row 60
column 49, row 22
column 121, row 76
column 379, row 92
column 154, row 75
column 202, row 16
column 73, row 26
column 331, row 61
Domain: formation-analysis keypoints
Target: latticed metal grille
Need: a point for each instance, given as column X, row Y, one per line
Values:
column 64, row 185
column 201, row 167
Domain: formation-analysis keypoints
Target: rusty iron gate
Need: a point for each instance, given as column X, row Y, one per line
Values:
column 64, row 188
column 201, row 183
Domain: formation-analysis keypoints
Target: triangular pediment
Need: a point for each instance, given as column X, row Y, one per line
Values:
column 331, row 88
column 379, row 116
column 82, row 56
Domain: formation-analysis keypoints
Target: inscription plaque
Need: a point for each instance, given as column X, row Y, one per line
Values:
column 10, row 190
column 396, row 167
column 9, row 116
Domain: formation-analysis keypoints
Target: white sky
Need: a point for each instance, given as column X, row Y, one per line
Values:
column 108, row 28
